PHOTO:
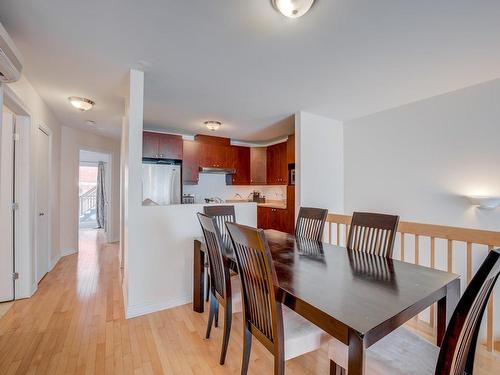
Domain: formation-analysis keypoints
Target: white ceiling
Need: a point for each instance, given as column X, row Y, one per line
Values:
column 243, row 63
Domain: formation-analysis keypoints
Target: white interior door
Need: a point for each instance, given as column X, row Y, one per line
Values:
column 6, row 212
column 42, row 204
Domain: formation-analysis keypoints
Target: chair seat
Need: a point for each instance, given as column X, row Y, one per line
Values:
column 301, row 336
column 402, row 352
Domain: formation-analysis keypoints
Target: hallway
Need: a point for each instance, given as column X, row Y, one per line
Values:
column 75, row 324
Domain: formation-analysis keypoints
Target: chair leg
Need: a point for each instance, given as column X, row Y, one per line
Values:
column 228, row 317
column 211, row 314
column 247, row 346
column 208, row 285
column 336, row 369
column 216, row 313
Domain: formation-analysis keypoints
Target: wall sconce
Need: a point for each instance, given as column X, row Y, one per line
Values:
column 485, row 203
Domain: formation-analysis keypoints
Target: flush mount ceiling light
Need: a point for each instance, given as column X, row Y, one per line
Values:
column 83, row 104
column 485, row 202
column 293, row 8
column 213, row 125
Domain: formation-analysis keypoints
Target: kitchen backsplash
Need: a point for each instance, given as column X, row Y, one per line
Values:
column 214, row 185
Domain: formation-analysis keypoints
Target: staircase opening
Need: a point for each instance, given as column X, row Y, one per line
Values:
column 87, row 191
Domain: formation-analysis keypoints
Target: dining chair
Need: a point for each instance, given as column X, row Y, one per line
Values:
column 221, row 214
column 224, row 290
column 404, row 352
column 282, row 331
column 373, row 233
column 311, row 223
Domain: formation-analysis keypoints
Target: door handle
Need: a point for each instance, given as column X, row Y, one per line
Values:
column 41, row 214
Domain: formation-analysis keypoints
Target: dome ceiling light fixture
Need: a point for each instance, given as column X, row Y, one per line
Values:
column 83, row 104
column 213, row 125
column 293, row 8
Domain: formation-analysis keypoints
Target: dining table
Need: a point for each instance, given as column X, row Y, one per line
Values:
column 354, row 296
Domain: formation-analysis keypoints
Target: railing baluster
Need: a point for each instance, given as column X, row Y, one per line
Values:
column 433, row 265
column 402, row 247
column 417, row 250
column 489, row 321
column 338, row 234
column 450, row 256
column 330, row 233
column 469, row 262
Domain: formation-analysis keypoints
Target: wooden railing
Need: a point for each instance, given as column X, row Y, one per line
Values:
column 471, row 239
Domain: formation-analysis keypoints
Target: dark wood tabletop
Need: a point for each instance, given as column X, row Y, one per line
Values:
column 354, row 296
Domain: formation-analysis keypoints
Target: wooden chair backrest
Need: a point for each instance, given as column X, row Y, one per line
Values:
column 311, row 223
column 221, row 215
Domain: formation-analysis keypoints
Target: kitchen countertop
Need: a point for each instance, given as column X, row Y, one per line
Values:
column 269, row 203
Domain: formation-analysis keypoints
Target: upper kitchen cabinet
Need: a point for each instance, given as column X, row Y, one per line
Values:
column 240, row 157
column 161, row 146
column 277, row 166
column 258, row 163
column 215, row 152
column 190, row 163
column 290, row 149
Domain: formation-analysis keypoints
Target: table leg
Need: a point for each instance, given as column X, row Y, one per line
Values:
column 356, row 363
column 446, row 307
column 198, row 278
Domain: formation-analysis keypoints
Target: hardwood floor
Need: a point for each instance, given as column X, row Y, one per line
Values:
column 75, row 324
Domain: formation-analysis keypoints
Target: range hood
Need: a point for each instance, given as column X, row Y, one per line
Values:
column 214, row 170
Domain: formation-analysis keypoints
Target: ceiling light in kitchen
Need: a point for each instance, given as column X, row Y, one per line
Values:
column 213, row 125
column 293, row 8
column 83, row 104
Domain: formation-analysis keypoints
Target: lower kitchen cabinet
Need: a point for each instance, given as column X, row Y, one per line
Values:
column 274, row 218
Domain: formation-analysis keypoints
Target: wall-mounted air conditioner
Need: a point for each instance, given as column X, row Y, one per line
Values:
column 11, row 62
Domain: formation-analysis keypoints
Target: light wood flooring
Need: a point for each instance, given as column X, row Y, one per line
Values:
column 75, row 324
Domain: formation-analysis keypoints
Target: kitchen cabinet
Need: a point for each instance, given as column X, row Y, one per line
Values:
column 274, row 218
column 290, row 149
column 161, row 146
column 258, row 163
column 190, row 163
column 215, row 152
column 215, row 155
column 240, row 158
column 277, row 166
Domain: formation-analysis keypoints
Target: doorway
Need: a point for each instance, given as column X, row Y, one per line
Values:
column 93, row 191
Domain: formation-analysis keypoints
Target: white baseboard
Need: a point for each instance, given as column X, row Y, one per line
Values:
column 65, row 252
column 148, row 308
column 53, row 262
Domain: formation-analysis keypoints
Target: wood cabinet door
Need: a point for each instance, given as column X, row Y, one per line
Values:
column 150, row 143
column 282, row 165
column 170, row 146
column 240, row 160
column 190, row 163
column 213, row 155
column 290, row 149
column 271, row 165
column 277, row 167
column 263, row 214
column 258, row 165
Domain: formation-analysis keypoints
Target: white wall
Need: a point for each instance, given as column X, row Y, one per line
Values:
column 73, row 141
column 319, row 162
column 419, row 160
column 157, row 240
column 40, row 114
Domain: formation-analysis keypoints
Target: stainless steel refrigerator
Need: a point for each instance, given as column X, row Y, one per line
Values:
column 161, row 183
